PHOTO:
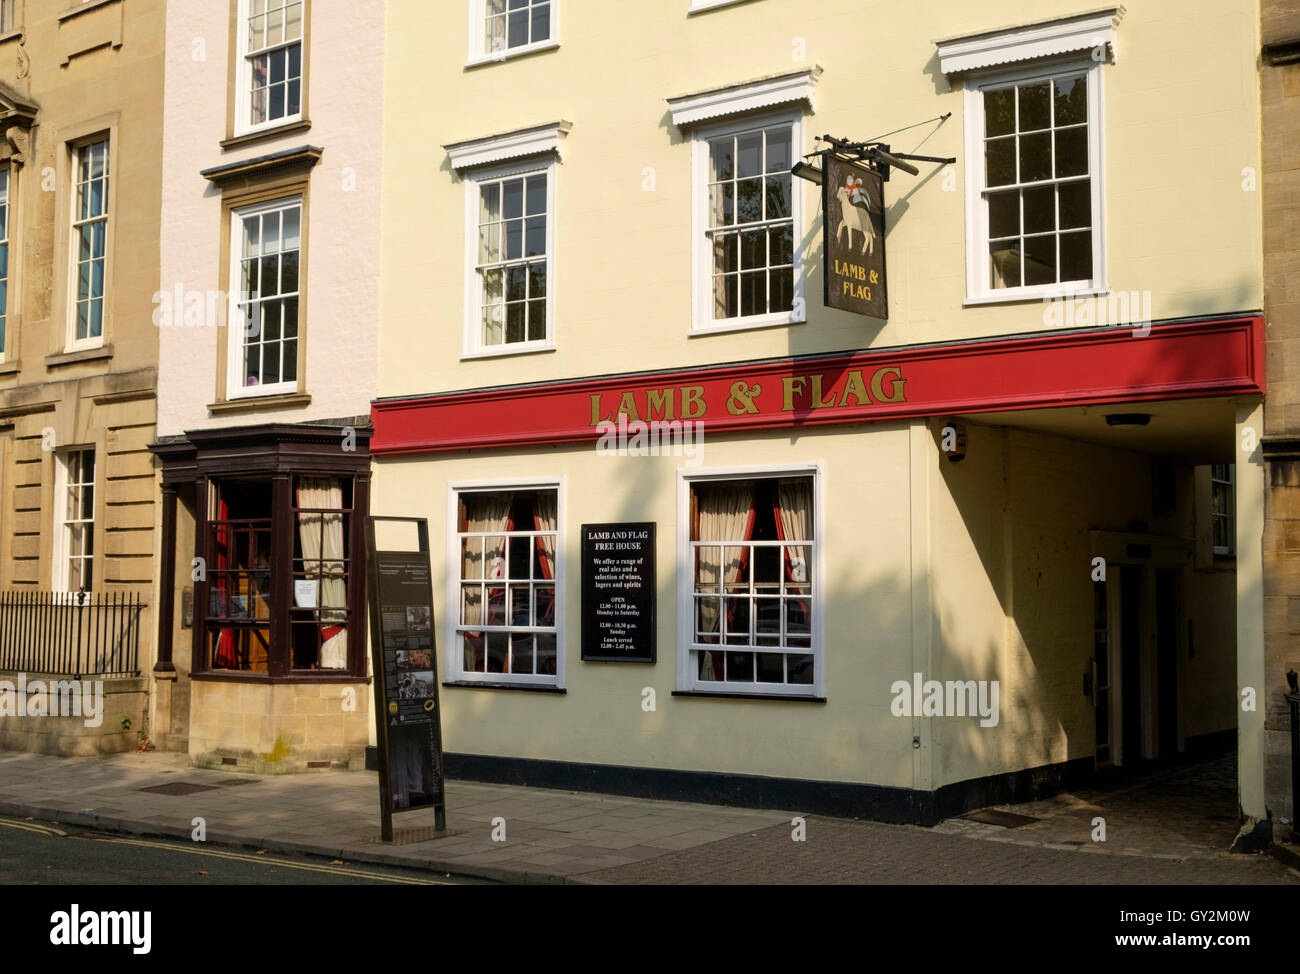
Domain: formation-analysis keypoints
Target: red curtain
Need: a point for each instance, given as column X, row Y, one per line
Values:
column 224, row 656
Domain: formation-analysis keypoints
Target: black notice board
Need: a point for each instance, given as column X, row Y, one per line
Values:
column 853, row 238
column 618, row 592
column 405, row 667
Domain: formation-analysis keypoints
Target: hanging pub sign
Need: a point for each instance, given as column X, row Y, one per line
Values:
column 618, row 592
column 405, row 667
column 853, row 238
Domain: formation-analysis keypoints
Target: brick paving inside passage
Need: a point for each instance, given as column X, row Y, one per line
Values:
column 1177, row 812
column 840, row 851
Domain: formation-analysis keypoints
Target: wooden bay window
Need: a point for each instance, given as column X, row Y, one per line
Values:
column 279, row 580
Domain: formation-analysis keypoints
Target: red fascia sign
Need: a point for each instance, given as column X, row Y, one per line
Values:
column 1180, row 360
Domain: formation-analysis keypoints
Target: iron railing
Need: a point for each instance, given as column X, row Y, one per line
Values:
column 70, row 633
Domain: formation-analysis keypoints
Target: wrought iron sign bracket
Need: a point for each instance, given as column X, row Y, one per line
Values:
column 879, row 157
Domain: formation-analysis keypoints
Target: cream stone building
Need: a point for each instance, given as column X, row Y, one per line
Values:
column 269, row 294
column 80, row 193
column 899, row 567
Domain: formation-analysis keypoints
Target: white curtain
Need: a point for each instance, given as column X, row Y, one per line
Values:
column 490, row 513
column 321, row 537
column 795, row 521
column 545, row 520
column 725, row 513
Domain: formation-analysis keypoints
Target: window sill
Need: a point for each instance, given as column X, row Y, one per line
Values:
column 522, row 349
column 249, row 404
column 482, row 685
column 753, row 324
column 249, row 138
column 9, row 368
column 1018, row 296
column 718, row 694
column 703, row 6
column 514, row 52
column 235, row 676
column 80, row 355
column 12, row 35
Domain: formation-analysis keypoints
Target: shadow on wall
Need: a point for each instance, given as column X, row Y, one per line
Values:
column 1027, row 503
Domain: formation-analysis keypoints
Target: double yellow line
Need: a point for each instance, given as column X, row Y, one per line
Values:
column 33, row 827
column 285, row 863
column 49, row 830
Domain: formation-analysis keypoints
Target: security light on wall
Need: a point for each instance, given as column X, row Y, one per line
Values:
column 806, row 170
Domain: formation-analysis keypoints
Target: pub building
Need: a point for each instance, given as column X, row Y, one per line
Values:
column 993, row 532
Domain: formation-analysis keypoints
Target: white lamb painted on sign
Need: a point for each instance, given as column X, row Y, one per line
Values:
column 855, row 218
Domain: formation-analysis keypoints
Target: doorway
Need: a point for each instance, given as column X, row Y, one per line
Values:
column 1167, row 661
column 1130, row 649
column 1139, row 690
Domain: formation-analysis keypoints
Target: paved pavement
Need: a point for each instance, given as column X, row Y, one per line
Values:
column 561, row 836
column 843, row 851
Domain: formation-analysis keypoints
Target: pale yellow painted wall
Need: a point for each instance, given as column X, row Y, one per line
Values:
column 1180, row 120
column 852, row 737
column 1005, row 565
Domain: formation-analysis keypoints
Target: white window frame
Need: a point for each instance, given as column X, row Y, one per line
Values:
column 701, row 255
column 473, row 346
column 454, row 664
column 687, row 679
column 978, row 288
column 1230, row 517
column 61, row 548
column 234, row 331
column 244, row 74
column 478, row 52
column 74, row 244
column 10, row 16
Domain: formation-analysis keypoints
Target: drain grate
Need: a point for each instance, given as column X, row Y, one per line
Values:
column 177, row 788
column 411, row 836
column 1008, row 820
